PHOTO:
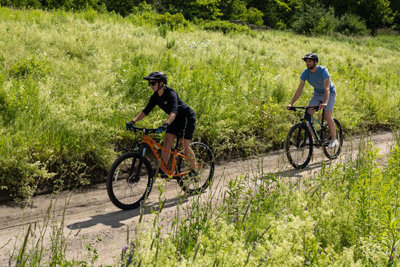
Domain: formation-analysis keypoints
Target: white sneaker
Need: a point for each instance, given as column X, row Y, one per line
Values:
column 333, row 143
column 308, row 141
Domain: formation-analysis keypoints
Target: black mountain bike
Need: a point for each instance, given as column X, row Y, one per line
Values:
column 299, row 142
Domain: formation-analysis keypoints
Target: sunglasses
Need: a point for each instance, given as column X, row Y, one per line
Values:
column 152, row 83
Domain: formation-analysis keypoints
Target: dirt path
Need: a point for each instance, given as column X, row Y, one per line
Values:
column 91, row 219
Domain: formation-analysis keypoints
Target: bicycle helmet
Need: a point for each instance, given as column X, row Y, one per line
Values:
column 157, row 76
column 312, row 56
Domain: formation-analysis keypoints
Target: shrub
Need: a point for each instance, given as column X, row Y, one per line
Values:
column 172, row 21
column 32, row 66
column 122, row 7
column 350, row 24
column 315, row 20
column 224, row 26
column 253, row 16
column 21, row 3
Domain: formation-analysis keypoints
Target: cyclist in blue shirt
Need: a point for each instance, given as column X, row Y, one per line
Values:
column 181, row 120
column 324, row 94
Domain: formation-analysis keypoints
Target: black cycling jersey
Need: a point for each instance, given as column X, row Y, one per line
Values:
column 169, row 102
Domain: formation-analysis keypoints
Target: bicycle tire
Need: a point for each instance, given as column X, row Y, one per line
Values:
column 124, row 188
column 205, row 158
column 335, row 152
column 298, row 152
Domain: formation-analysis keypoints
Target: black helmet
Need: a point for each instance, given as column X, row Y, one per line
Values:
column 312, row 56
column 158, row 76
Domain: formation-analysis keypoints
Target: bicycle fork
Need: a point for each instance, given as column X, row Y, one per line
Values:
column 142, row 151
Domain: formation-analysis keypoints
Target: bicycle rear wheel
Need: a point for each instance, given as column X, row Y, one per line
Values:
column 205, row 173
column 128, row 181
column 332, row 153
column 299, row 146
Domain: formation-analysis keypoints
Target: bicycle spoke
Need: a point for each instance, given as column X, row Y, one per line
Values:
column 205, row 163
column 299, row 146
column 126, row 186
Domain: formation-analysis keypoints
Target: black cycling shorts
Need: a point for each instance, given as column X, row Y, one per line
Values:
column 183, row 127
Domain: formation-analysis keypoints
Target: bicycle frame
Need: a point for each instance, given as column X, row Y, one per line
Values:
column 309, row 119
column 154, row 146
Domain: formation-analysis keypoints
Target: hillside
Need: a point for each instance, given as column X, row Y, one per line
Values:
column 70, row 81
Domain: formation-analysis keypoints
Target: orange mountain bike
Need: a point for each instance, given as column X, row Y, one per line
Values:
column 131, row 177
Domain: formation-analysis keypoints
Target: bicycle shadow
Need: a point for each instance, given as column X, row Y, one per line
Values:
column 115, row 219
column 292, row 173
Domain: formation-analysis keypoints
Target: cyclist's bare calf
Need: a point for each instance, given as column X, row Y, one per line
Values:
column 329, row 120
column 169, row 140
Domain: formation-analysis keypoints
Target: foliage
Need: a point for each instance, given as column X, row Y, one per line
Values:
column 350, row 24
column 315, row 20
column 253, row 16
column 70, row 81
column 347, row 214
column 224, row 27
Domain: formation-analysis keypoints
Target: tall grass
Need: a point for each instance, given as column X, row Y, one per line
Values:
column 345, row 215
column 70, row 81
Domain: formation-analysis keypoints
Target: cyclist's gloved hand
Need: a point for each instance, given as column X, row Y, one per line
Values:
column 162, row 128
column 129, row 125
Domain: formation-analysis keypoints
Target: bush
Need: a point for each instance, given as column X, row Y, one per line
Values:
column 122, row 7
column 33, row 66
column 224, row 26
column 315, row 20
column 21, row 3
column 350, row 24
column 253, row 16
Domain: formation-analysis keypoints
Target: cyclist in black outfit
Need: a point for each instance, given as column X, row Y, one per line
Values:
column 181, row 121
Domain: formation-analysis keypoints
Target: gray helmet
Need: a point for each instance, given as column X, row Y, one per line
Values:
column 312, row 56
column 157, row 76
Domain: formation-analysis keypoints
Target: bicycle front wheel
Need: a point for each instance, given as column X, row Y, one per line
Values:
column 299, row 146
column 332, row 153
column 205, row 173
column 129, row 181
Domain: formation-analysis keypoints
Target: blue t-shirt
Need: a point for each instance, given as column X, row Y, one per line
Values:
column 317, row 79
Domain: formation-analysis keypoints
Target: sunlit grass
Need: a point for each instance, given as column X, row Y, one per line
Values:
column 69, row 82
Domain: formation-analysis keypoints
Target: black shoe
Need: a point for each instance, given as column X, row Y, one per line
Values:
column 162, row 173
column 193, row 174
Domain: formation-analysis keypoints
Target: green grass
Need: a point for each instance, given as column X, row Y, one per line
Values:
column 70, row 81
column 346, row 215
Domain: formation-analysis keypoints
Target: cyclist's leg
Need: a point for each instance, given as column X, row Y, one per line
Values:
column 189, row 152
column 328, row 115
column 173, row 131
column 167, row 144
column 314, row 101
column 187, row 137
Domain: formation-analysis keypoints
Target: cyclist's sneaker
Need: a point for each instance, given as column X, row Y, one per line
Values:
column 333, row 143
column 308, row 141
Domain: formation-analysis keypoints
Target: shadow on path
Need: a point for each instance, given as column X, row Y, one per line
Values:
column 297, row 173
column 114, row 219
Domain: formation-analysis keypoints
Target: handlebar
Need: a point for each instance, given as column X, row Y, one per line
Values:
column 306, row 107
column 145, row 130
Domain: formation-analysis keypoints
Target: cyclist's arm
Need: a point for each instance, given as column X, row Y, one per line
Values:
column 171, row 118
column 327, row 86
column 173, row 101
column 140, row 116
column 297, row 94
